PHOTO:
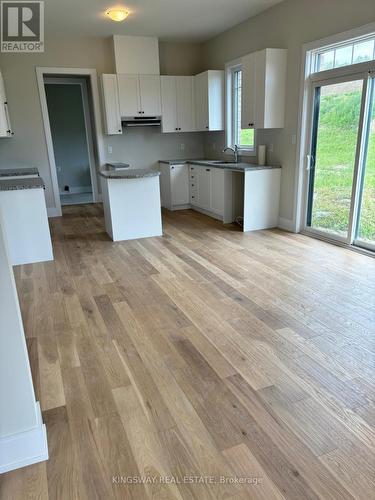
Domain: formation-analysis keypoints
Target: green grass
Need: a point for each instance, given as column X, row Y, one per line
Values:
column 335, row 166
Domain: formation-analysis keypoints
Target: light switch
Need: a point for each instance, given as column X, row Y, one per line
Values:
column 109, row 148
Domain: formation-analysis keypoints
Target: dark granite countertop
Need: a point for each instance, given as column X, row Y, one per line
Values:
column 130, row 173
column 19, row 172
column 238, row 167
column 22, row 183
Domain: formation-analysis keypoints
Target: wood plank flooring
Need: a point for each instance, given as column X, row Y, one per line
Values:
column 206, row 364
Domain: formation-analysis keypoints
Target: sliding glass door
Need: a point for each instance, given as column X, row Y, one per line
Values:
column 341, row 160
column 365, row 223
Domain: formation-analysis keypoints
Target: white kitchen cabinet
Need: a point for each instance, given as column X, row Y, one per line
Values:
column 128, row 86
column 209, row 100
column 204, row 188
column 111, row 105
column 139, row 95
column 177, row 96
column 174, row 186
column 217, row 191
column 5, row 128
column 150, row 97
column 263, row 89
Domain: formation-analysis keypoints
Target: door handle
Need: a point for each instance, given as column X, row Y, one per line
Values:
column 310, row 162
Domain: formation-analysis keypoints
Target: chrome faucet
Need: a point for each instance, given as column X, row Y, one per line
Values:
column 235, row 152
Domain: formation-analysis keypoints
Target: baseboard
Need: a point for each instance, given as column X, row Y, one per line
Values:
column 25, row 448
column 53, row 212
column 77, row 190
column 286, row 225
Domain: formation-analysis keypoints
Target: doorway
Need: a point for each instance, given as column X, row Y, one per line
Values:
column 72, row 138
column 341, row 160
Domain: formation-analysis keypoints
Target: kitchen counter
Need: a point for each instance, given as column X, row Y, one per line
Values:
column 19, row 172
column 235, row 167
column 17, row 184
column 131, row 173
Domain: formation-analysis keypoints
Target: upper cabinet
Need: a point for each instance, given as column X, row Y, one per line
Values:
column 5, row 128
column 209, row 100
column 139, row 95
column 111, row 105
column 263, row 89
column 177, row 97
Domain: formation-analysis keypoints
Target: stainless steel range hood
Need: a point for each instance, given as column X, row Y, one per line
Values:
column 141, row 121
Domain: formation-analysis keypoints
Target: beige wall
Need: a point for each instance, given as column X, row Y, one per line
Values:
column 28, row 146
column 289, row 25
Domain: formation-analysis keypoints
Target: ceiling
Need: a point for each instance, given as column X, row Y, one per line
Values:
column 177, row 20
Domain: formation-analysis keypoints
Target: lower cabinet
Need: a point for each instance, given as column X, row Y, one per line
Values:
column 174, row 186
column 250, row 197
column 207, row 188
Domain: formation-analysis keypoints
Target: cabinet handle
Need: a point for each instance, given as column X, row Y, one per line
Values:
column 172, row 168
column 192, row 185
column 208, row 170
column 251, row 124
column 207, row 127
column 193, row 197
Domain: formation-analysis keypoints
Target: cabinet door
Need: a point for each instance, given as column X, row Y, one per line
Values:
column 249, row 94
column 180, row 185
column 185, row 103
column 169, row 104
column 129, row 95
column 201, row 101
column 204, row 198
column 217, row 191
column 149, row 87
column 111, row 105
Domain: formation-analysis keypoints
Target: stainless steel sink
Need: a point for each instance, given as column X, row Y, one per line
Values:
column 217, row 162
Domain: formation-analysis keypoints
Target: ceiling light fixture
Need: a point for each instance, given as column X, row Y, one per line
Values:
column 117, row 14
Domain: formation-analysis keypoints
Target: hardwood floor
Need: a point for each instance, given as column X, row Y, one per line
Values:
column 202, row 355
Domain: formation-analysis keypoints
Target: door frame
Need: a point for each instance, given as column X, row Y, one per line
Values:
column 82, row 82
column 315, row 81
column 98, row 138
column 307, row 58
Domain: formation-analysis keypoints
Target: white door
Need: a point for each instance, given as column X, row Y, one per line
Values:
column 249, row 96
column 201, row 101
column 204, row 199
column 149, row 88
column 179, row 185
column 169, row 104
column 217, row 191
column 5, row 128
column 128, row 86
column 185, row 103
column 111, row 105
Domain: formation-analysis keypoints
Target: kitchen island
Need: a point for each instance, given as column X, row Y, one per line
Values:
column 131, row 200
column 25, row 218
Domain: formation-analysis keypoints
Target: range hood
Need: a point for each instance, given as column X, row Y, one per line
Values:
column 141, row 121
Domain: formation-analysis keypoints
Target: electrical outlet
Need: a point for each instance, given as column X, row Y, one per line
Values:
column 270, row 148
column 109, row 149
column 294, row 139
column 182, row 146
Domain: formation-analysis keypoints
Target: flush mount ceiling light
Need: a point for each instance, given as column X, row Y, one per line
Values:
column 117, row 14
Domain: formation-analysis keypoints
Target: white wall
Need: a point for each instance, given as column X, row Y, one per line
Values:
column 289, row 25
column 28, row 146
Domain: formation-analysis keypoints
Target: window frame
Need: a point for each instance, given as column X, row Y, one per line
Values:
column 230, row 69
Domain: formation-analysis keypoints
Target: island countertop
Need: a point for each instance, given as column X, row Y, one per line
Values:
column 21, row 183
column 129, row 173
column 238, row 167
column 19, row 172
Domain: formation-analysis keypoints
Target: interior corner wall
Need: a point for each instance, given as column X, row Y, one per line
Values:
column 288, row 25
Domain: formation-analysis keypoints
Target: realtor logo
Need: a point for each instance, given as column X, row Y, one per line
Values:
column 22, row 26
